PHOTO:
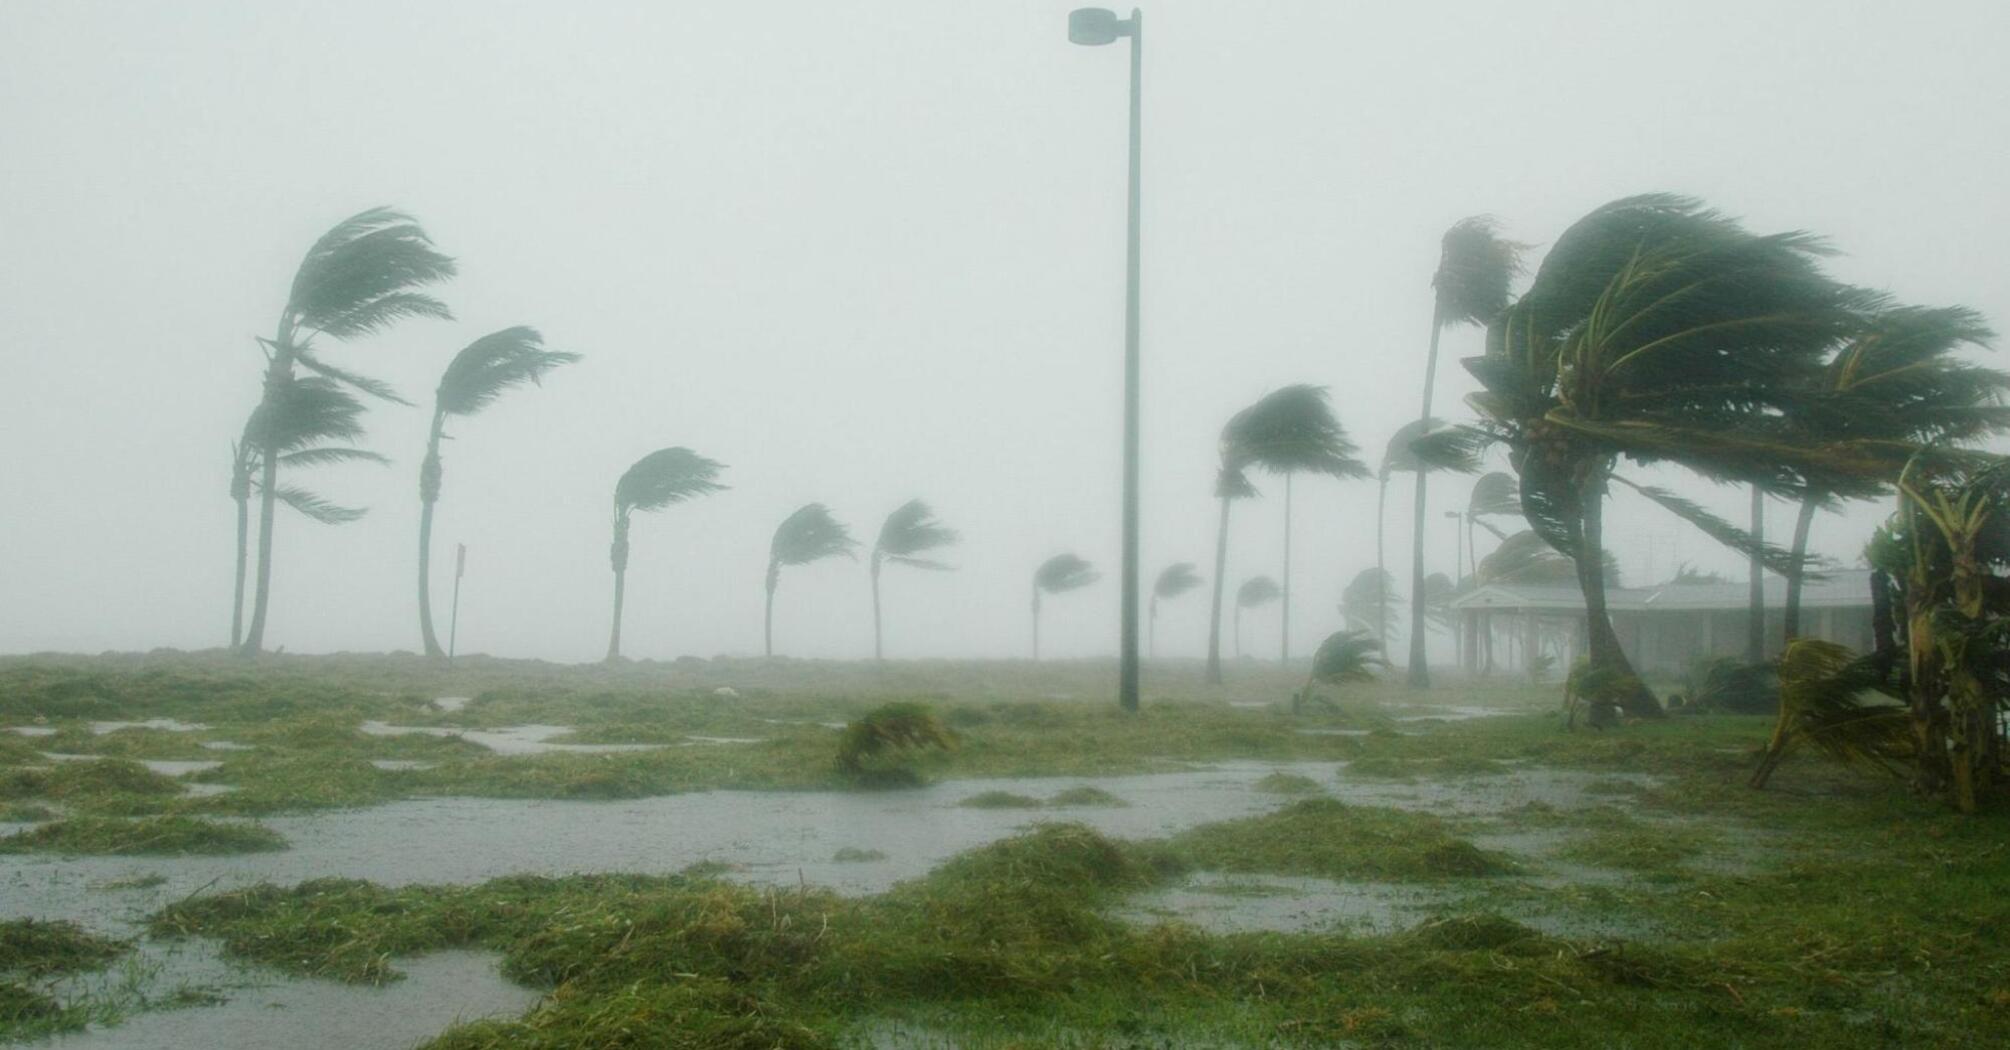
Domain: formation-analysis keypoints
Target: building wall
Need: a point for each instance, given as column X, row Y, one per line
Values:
column 1667, row 643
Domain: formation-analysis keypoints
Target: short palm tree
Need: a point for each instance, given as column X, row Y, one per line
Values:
column 1476, row 267
column 908, row 533
column 360, row 278
column 300, row 422
column 1255, row 592
column 1058, row 575
column 1289, row 431
column 1174, row 580
column 1365, row 603
column 1897, row 379
column 1345, row 657
column 1663, row 332
column 810, row 534
column 474, row 379
column 1230, row 484
column 657, row 480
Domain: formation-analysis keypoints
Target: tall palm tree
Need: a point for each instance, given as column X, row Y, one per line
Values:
column 1418, row 446
column 1493, row 495
column 1058, row 575
column 1176, row 579
column 1230, row 484
column 1897, row 379
column 479, row 374
column 1658, row 330
column 810, row 534
column 300, row 422
column 1289, row 431
column 360, row 278
column 908, row 533
column 1476, row 266
column 657, row 480
column 1254, row 592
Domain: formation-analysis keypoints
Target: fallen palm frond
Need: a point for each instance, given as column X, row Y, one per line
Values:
column 1840, row 703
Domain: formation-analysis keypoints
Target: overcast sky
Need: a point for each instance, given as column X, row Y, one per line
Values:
column 863, row 252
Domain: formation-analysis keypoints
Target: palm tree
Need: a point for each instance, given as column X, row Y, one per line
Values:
column 1898, row 379
column 663, row 477
column 360, row 278
column 1289, row 431
column 810, row 534
column 908, row 533
column 1344, row 657
column 1418, row 446
column 1476, row 266
column 479, row 374
column 1176, row 579
column 299, row 422
column 1058, row 575
column 1230, row 484
column 1660, row 331
column 1364, row 604
column 1255, row 591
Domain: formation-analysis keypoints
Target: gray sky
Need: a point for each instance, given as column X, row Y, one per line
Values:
column 863, row 252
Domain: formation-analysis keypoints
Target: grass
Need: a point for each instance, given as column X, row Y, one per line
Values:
column 1000, row 800
column 1288, row 784
column 1865, row 918
column 34, row 948
column 143, row 836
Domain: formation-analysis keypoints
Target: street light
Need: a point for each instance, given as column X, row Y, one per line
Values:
column 1094, row 27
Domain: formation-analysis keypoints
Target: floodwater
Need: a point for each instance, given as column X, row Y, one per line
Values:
column 780, row 838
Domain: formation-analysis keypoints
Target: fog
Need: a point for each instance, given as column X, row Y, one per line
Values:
column 863, row 253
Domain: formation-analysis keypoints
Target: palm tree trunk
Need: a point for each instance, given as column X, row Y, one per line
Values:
column 243, row 553
column 1214, row 616
column 1036, row 623
column 878, row 649
column 1420, row 671
column 1601, row 641
column 768, row 625
column 278, row 373
column 1152, row 629
column 429, row 494
column 617, row 556
column 1381, row 572
column 1755, row 634
column 1284, row 631
column 1792, row 613
column 1238, row 632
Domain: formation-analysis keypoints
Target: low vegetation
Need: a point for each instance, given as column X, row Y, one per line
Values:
column 145, row 835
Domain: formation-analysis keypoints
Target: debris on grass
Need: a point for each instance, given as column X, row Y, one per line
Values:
column 146, row 835
column 38, row 948
column 1330, row 839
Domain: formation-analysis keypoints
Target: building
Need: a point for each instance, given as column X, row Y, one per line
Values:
column 1664, row 629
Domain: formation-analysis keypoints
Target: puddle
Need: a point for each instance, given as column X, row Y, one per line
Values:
column 450, row 704
column 1453, row 713
column 178, row 768
column 727, row 739
column 1334, row 732
column 509, row 740
column 226, row 745
column 397, row 765
column 33, row 730
column 165, row 725
column 1222, row 903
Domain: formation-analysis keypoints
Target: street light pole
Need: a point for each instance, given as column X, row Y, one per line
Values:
column 1095, row 26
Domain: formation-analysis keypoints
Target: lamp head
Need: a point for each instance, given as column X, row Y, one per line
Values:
column 1095, row 26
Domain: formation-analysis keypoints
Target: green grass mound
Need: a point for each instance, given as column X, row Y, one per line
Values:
column 87, row 781
column 36, row 948
column 695, row 1014
column 1474, row 933
column 146, row 835
column 1000, row 800
column 1330, row 839
column 25, row 813
column 25, row 1012
column 1288, row 784
column 1085, row 797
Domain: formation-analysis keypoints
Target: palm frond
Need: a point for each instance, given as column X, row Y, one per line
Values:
column 1257, row 590
column 491, row 365
column 374, row 387
column 316, row 508
column 910, row 531
column 1291, row 430
column 1775, row 558
column 1494, row 494
column 1439, row 590
column 1840, row 704
column 1231, row 483
column 1062, row 573
column 361, row 276
column 1523, row 558
column 1367, row 603
column 305, row 412
column 1175, row 579
column 1476, row 267
column 1347, row 656
column 810, row 534
column 666, row 476
column 322, row 457
column 1430, row 444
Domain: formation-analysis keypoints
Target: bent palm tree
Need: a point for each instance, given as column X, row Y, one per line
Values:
column 657, row 480
column 1290, row 431
column 1364, row 604
column 810, row 534
column 908, row 533
column 1058, row 575
column 1418, row 446
column 299, row 422
column 1230, row 483
column 479, row 374
column 1176, row 579
column 361, row 277
column 1660, row 331
column 1344, row 657
column 1476, row 266
column 1254, row 592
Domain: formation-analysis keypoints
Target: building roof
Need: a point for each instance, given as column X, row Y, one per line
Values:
column 1837, row 589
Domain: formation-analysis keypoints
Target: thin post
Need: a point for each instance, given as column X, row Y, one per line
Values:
column 1127, row 673
column 454, row 618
